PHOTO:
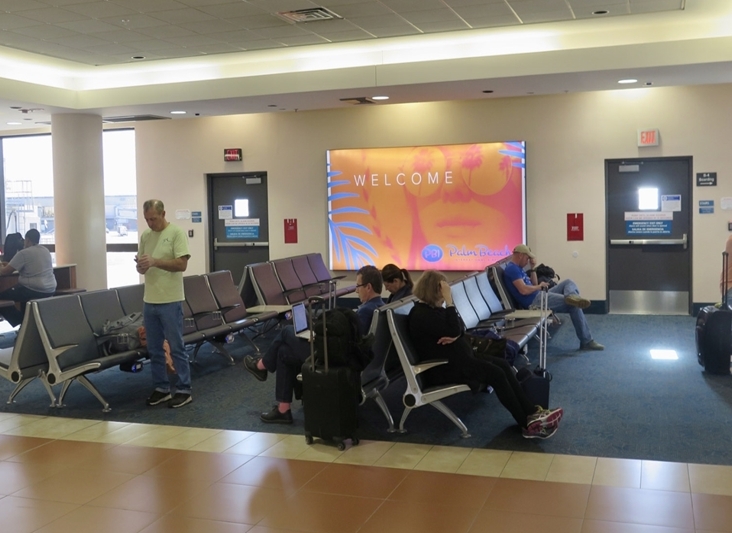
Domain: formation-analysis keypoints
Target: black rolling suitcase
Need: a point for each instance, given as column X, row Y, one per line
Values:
column 536, row 383
column 330, row 395
column 714, row 332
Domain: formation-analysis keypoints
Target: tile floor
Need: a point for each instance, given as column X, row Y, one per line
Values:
column 77, row 476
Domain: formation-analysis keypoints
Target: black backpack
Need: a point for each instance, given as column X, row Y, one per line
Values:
column 346, row 346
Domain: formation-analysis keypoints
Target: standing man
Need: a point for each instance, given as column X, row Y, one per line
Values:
column 728, row 288
column 35, row 277
column 162, row 258
column 562, row 298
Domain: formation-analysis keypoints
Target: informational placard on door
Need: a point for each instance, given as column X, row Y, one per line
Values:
column 641, row 223
column 670, row 202
column 226, row 212
column 242, row 228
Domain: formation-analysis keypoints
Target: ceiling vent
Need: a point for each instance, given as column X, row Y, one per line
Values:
column 308, row 15
column 359, row 100
column 133, row 118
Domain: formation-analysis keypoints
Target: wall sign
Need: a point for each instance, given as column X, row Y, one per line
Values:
column 575, row 227
column 706, row 179
column 290, row 231
column 648, row 137
column 232, row 154
column 706, row 207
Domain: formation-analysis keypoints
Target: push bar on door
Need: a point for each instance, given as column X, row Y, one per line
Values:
column 218, row 244
column 642, row 242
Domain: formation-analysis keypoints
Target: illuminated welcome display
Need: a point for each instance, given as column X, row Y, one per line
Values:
column 451, row 207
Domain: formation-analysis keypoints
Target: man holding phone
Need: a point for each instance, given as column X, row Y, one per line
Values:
column 562, row 298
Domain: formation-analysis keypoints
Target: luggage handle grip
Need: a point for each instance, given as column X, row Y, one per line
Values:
column 315, row 300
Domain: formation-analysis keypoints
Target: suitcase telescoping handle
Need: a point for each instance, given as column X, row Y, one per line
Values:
column 725, row 280
column 312, row 302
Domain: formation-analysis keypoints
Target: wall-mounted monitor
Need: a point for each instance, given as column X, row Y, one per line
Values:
column 449, row 207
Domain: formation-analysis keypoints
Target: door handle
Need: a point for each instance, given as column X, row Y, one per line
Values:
column 642, row 242
column 218, row 244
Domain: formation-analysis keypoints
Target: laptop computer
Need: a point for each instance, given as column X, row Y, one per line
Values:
column 300, row 321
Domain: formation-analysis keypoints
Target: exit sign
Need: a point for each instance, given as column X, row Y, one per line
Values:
column 648, row 137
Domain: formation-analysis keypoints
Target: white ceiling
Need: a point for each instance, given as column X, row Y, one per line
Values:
column 215, row 57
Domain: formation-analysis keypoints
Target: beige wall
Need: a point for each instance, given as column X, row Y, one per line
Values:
column 568, row 138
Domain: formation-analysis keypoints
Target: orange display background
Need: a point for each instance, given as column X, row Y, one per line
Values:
column 451, row 207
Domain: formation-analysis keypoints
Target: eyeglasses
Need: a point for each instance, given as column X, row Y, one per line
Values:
column 358, row 286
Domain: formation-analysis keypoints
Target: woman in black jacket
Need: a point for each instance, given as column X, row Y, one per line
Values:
column 437, row 333
column 397, row 281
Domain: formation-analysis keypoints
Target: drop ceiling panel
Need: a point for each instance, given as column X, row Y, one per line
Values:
column 100, row 10
column 10, row 22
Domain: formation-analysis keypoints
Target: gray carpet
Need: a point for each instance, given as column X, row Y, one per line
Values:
column 618, row 403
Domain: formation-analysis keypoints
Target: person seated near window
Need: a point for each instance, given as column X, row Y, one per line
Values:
column 288, row 352
column 397, row 281
column 437, row 333
column 35, row 277
column 564, row 297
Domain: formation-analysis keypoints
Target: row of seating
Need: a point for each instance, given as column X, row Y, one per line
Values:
column 60, row 339
column 478, row 305
column 291, row 280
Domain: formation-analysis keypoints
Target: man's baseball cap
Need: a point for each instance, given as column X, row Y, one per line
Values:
column 523, row 249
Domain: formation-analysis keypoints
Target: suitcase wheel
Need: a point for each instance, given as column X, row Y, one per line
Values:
column 341, row 445
column 355, row 441
column 308, row 438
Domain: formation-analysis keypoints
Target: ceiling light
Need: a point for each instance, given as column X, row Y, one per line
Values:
column 177, row 112
column 488, row 91
column 379, row 97
column 600, row 12
column 627, row 81
column 664, row 354
column 137, row 57
column 15, row 123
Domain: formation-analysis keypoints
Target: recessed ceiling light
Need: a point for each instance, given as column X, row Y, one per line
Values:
column 627, row 81
column 379, row 97
column 177, row 112
column 15, row 123
column 600, row 12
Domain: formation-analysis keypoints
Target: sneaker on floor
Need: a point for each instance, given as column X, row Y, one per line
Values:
column 179, row 400
column 158, row 397
column 537, row 431
column 275, row 417
column 250, row 363
column 575, row 300
column 592, row 345
column 546, row 417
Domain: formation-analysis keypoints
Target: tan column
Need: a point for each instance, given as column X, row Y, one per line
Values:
column 78, row 197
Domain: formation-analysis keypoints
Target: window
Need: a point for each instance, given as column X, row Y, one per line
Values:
column 27, row 174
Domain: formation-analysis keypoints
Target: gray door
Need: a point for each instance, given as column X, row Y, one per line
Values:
column 649, row 235
column 238, row 221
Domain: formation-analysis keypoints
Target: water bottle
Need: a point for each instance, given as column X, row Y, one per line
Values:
column 230, row 338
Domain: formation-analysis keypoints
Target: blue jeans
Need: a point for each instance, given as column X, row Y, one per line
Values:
column 556, row 303
column 19, row 293
column 165, row 322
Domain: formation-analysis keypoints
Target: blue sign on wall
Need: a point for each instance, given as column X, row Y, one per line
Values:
column 706, row 207
column 648, row 227
column 242, row 232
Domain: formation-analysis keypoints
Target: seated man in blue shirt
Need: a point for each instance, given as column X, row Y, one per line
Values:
column 288, row 352
column 562, row 298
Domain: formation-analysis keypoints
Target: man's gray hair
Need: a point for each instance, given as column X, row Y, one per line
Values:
column 156, row 205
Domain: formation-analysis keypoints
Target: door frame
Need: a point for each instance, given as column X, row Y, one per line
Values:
column 210, row 177
column 690, row 240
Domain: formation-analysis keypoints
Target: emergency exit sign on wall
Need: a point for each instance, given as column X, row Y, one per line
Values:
column 648, row 137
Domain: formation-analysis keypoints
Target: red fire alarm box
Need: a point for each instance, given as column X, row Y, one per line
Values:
column 290, row 231
column 575, row 227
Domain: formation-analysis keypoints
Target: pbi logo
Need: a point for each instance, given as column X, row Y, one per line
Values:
column 432, row 253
